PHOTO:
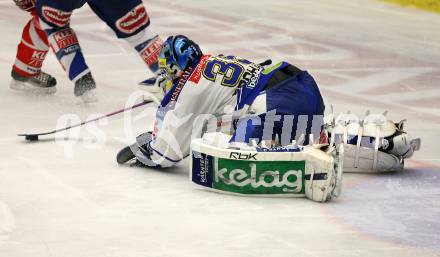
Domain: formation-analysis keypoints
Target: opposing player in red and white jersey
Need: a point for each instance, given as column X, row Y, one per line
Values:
column 50, row 27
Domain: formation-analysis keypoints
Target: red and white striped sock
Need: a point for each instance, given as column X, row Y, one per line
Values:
column 32, row 50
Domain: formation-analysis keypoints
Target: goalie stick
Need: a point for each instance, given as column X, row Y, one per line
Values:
column 34, row 136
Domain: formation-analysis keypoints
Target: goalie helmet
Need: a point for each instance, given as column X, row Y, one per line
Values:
column 178, row 54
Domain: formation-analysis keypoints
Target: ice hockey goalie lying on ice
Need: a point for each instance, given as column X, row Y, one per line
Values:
column 198, row 87
column 266, row 107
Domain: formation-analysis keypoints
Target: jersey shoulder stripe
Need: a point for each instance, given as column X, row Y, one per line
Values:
column 197, row 74
column 175, row 91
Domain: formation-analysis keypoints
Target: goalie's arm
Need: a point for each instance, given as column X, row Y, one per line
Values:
column 172, row 140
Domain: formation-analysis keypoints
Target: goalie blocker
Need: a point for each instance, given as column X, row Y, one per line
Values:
column 289, row 171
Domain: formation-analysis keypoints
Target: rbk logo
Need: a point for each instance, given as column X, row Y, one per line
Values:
column 243, row 156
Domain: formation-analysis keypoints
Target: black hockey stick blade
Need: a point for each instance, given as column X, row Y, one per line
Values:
column 31, row 137
column 34, row 137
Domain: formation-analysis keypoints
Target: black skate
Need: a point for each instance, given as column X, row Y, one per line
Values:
column 40, row 83
column 84, row 88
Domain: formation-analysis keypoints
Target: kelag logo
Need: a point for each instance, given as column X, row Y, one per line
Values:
column 259, row 177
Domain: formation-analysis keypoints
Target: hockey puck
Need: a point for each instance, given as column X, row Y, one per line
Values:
column 31, row 137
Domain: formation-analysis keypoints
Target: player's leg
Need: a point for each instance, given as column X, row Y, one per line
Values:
column 55, row 20
column 292, row 106
column 298, row 99
column 31, row 51
column 129, row 20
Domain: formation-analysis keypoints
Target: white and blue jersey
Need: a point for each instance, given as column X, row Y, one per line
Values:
column 218, row 85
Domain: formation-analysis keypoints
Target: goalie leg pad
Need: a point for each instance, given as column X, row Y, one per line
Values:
column 372, row 144
column 307, row 173
column 322, row 187
column 385, row 162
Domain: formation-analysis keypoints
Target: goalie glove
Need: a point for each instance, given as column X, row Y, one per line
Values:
column 140, row 151
column 158, row 86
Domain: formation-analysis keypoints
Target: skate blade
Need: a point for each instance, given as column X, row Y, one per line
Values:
column 27, row 87
column 89, row 96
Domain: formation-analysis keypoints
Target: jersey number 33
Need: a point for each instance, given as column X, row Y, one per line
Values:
column 230, row 69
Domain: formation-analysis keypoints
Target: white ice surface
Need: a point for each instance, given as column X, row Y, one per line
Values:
column 79, row 202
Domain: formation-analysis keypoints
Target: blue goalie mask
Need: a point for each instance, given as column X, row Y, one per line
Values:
column 177, row 54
